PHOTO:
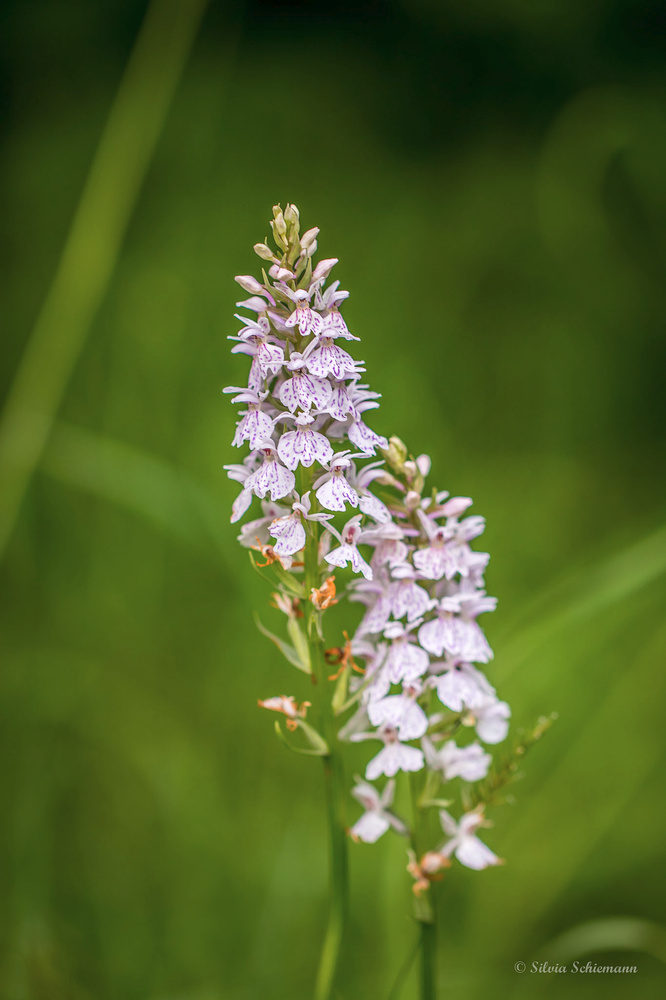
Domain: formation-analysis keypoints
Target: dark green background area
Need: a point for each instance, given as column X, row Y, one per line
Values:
column 491, row 176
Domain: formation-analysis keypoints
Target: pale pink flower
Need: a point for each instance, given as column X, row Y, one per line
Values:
column 401, row 712
column 470, row 763
column 390, row 549
column 459, row 685
column 464, row 843
column 407, row 597
column 490, row 717
column 377, row 818
column 405, row 661
column 459, row 636
column 393, row 757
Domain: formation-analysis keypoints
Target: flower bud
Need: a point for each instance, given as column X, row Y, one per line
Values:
column 291, row 214
column 279, row 227
column 281, row 273
column 250, row 284
column 324, row 268
column 307, row 239
column 291, row 217
column 413, row 476
column 412, row 500
column 396, row 454
column 264, row 252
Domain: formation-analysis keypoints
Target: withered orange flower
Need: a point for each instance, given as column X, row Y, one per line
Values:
column 324, row 596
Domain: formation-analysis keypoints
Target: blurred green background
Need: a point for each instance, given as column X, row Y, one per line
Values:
column 491, row 176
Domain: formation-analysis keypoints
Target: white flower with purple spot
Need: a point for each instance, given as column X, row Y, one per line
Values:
column 254, row 339
column 365, row 439
column 271, row 477
column 255, row 425
column 256, row 532
column 405, row 661
column 303, row 389
column 303, row 316
column 304, row 445
column 347, row 551
column 335, row 326
column 334, row 492
column 329, row 359
column 407, row 597
column 339, row 405
column 290, row 531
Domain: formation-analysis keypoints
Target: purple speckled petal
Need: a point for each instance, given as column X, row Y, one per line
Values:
column 339, row 404
column 287, row 449
column 259, row 428
column 323, row 450
column 290, row 535
column 365, row 440
column 409, row 599
column 377, row 616
column 270, row 357
column 406, row 661
column 457, row 688
column 281, row 480
column 374, row 508
column 312, row 391
column 329, row 359
column 433, row 561
column 241, row 504
column 287, row 394
column 432, row 635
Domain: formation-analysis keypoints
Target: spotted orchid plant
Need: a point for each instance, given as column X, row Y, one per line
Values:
column 411, row 676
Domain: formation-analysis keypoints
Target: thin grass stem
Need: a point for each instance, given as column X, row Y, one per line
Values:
column 93, row 244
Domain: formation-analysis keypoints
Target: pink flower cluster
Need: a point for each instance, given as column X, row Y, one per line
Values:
column 417, row 575
column 304, row 400
column 419, row 637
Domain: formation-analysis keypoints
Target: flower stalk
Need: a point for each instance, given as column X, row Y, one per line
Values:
column 334, row 781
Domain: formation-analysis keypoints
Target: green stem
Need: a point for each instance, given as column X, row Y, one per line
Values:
column 333, row 781
column 424, row 911
column 428, row 960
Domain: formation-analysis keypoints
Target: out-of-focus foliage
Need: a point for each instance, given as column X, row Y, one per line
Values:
column 490, row 175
